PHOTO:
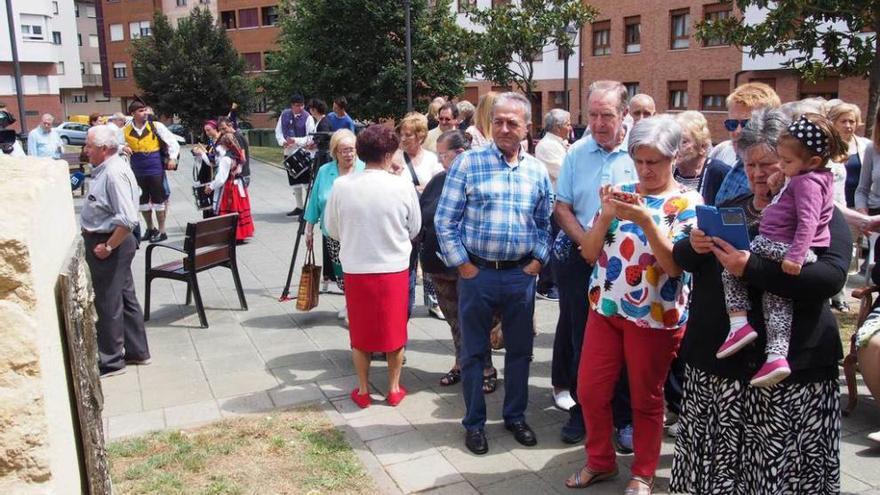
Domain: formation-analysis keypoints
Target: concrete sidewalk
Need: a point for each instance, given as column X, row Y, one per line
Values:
column 273, row 356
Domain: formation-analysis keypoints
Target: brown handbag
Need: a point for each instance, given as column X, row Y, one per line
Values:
column 309, row 283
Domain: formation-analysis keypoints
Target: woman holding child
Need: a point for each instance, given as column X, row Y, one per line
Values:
column 770, row 438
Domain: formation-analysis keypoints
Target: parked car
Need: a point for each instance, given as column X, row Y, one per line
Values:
column 182, row 133
column 72, row 132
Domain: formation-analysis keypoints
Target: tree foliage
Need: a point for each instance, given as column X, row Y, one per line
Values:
column 820, row 38
column 356, row 48
column 510, row 36
column 193, row 71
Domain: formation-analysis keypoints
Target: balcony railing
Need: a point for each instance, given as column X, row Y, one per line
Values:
column 91, row 79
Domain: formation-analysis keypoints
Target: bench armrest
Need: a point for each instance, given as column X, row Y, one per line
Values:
column 151, row 247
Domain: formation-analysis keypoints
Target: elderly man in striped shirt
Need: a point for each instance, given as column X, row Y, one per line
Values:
column 493, row 224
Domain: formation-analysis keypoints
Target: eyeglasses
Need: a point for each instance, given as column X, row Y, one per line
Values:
column 731, row 124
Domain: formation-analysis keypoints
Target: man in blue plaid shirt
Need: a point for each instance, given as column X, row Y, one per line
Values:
column 493, row 225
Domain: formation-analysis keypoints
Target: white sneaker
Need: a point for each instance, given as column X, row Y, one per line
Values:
column 343, row 314
column 563, row 400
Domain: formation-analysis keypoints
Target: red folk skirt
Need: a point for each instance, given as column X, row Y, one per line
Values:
column 235, row 199
column 377, row 306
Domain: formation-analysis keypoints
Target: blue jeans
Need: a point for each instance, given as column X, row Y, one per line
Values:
column 512, row 293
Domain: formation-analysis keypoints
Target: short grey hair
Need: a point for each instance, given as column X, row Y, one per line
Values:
column 660, row 132
column 466, row 109
column 104, row 136
column 47, row 116
column 614, row 87
column 794, row 109
column 516, row 98
column 765, row 127
column 555, row 119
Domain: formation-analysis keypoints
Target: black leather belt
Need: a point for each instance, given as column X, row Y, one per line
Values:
column 499, row 265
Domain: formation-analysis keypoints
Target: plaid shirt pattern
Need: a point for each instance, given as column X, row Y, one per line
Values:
column 493, row 210
column 735, row 184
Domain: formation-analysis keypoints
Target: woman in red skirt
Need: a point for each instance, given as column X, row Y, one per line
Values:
column 374, row 215
column 230, row 195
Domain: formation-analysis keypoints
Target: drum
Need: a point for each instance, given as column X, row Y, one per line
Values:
column 298, row 166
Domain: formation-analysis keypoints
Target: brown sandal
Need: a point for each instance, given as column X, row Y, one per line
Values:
column 593, row 477
column 640, row 488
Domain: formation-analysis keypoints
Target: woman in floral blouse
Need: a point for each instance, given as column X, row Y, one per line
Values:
column 638, row 299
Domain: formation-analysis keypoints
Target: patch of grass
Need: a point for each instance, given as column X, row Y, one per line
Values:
column 296, row 451
column 270, row 155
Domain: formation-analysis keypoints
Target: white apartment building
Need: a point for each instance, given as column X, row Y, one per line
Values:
column 46, row 36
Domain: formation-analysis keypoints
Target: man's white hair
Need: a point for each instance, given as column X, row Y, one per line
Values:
column 47, row 116
column 104, row 136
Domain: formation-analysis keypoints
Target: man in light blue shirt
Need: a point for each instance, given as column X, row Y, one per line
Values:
column 598, row 159
column 44, row 141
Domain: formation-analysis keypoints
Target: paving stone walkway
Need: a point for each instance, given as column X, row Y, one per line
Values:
column 274, row 357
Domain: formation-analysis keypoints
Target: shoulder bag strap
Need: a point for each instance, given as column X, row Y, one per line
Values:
column 412, row 171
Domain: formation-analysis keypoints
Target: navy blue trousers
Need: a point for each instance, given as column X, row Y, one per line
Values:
column 512, row 294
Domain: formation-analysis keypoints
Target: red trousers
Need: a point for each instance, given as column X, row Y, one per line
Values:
column 647, row 352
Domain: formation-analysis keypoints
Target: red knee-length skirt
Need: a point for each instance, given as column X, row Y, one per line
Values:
column 235, row 199
column 377, row 305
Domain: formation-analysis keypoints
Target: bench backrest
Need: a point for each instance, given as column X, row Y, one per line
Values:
column 211, row 241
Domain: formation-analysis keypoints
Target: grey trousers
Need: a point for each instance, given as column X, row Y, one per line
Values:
column 120, row 326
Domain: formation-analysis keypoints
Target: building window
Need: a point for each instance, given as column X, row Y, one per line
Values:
column 56, row 37
column 496, row 3
column 204, row 2
column 227, row 18
column 82, row 69
column 632, row 88
column 59, row 68
column 267, row 60
column 538, row 56
column 824, row 88
column 42, row 84
column 96, row 68
column 714, row 95
column 632, row 36
column 602, row 38
column 79, row 39
column 33, row 27
column 463, row 5
column 254, row 61
column 769, row 81
column 270, row 15
column 55, row 8
column 119, row 70
column 117, row 33
column 93, row 40
column 80, row 98
column 90, row 11
column 76, row 9
column 139, row 29
column 681, row 27
column 678, row 95
column 715, row 13
column 248, row 18
column 181, row 3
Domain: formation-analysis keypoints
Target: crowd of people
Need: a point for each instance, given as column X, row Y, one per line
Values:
column 661, row 327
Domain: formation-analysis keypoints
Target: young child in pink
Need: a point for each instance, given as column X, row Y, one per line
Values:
column 794, row 223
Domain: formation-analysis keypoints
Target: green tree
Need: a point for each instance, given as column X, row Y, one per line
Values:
column 193, row 71
column 511, row 36
column 356, row 48
column 821, row 38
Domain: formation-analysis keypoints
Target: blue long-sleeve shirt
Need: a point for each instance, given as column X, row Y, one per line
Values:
column 494, row 210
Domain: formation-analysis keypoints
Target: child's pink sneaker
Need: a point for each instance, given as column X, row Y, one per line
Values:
column 771, row 373
column 736, row 341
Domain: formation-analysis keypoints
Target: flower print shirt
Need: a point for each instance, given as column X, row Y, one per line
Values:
column 627, row 279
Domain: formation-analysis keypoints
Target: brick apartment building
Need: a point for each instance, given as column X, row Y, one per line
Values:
column 650, row 46
column 251, row 25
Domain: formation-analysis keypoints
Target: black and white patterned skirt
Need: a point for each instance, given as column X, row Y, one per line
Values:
column 737, row 439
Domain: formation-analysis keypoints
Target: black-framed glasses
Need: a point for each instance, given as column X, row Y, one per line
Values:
column 732, row 124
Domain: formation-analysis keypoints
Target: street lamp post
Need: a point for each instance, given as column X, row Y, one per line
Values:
column 408, row 27
column 16, row 66
column 570, row 34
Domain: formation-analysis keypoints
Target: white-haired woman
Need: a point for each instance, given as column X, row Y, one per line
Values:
column 694, row 168
column 638, row 303
column 345, row 161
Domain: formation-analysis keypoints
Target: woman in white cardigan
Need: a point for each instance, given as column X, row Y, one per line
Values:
column 374, row 215
column 846, row 118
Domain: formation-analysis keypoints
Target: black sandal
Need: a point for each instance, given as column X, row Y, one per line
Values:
column 490, row 382
column 451, row 378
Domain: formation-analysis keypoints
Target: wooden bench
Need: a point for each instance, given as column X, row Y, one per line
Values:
column 209, row 244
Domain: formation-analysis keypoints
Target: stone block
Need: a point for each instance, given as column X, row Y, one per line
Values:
column 400, row 448
column 188, row 415
column 380, row 425
column 420, row 474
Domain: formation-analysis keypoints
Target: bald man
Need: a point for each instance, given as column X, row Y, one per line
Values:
column 641, row 106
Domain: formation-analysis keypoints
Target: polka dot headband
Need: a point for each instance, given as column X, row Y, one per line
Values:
column 810, row 135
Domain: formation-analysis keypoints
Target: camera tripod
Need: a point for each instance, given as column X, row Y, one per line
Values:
column 285, row 293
